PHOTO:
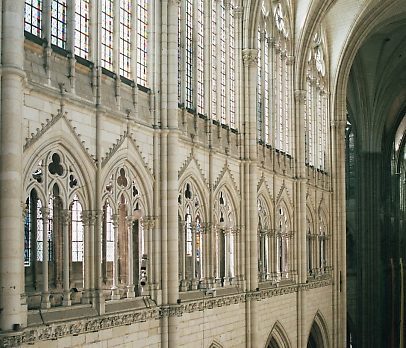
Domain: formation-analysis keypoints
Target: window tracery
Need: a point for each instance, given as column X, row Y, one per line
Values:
column 123, row 234
column 316, row 122
column 193, row 61
column 53, row 228
column 191, row 236
column 274, row 91
column 264, row 240
column 225, row 236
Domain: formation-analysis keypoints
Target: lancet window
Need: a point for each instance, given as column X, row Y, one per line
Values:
column 58, row 23
column 283, row 240
column 53, row 232
column 225, row 237
column 218, row 63
column 82, row 28
column 274, row 90
column 191, row 237
column 316, row 111
column 265, row 240
column 123, row 235
column 124, row 53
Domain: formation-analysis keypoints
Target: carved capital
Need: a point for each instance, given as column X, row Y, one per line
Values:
column 88, row 217
column 250, row 56
column 65, row 216
column 115, row 219
column 238, row 11
column 300, row 95
column 44, row 212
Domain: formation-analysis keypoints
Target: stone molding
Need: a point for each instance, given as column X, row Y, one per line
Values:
column 31, row 335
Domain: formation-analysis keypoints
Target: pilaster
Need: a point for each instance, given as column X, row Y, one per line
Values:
column 13, row 313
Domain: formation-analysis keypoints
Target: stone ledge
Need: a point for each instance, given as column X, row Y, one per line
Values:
column 31, row 335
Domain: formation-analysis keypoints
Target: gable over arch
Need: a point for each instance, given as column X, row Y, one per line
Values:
column 278, row 337
column 318, row 335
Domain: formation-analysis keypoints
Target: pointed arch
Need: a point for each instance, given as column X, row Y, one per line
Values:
column 318, row 335
column 215, row 344
column 59, row 162
column 128, row 156
column 278, row 337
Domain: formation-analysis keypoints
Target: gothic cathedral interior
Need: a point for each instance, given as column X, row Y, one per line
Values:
column 202, row 173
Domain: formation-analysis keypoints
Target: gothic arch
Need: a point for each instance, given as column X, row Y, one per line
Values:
column 202, row 194
column 215, row 344
column 278, row 337
column 129, row 156
column 318, row 336
column 223, row 188
column 122, row 179
column 72, row 177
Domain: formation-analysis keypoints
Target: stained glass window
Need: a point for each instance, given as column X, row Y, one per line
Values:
column 107, row 34
column 125, row 38
column 223, row 63
column 142, row 42
column 33, row 17
column 77, row 231
column 82, row 28
column 259, row 87
column 58, row 23
column 214, row 60
column 200, row 57
column 232, row 70
column 189, row 54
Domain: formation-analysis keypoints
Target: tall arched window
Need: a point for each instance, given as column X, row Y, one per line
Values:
column 282, row 243
column 218, row 63
column 77, row 230
column 274, row 91
column 316, row 110
column 264, row 240
column 310, row 248
column 58, row 23
column 225, row 238
column 53, row 231
column 107, row 26
column 33, row 17
column 190, row 237
column 123, row 240
column 323, row 246
column 142, row 42
column 82, row 15
column 125, row 38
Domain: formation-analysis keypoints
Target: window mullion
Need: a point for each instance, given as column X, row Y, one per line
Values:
column 133, row 53
column 116, row 37
column 70, row 26
column 228, row 10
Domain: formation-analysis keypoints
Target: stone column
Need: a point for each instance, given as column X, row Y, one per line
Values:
column 251, row 180
column 115, row 294
column 65, row 219
column 11, row 236
column 195, row 281
column 87, row 259
column 339, row 235
column 130, row 276
column 45, row 303
column 182, row 254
